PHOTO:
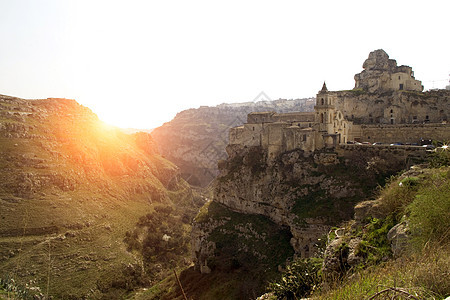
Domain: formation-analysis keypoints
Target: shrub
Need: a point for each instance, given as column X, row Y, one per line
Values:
column 299, row 280
column 440, row 158
column 375, row 245
column 398, row 194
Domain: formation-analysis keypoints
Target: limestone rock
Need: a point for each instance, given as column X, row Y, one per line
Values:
column 366, row 209
column 398, row 236
column 379, row 60
column 326, row 159
column 382, row 74
column 340, row 255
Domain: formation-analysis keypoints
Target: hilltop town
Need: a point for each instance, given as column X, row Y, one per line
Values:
column 387, row 105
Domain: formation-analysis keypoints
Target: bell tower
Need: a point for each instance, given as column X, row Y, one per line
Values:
column 325, row 117
column 323, row 109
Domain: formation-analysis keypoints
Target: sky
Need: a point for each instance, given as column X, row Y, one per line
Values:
column 137, row 63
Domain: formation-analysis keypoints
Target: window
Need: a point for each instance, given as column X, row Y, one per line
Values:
column 401, row 86
column 399, row 77
column 304, row 137
column 322, row 101
column 392, row 111
column 321, row 118
column 427, row 117
column 392, row 121
column 253, row 128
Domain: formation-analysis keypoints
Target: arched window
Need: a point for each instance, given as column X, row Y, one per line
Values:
column 321, row 118
column 322, row 101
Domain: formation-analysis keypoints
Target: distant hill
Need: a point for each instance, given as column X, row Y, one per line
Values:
column 135, row 130
column 195, row 139
column 72, row 189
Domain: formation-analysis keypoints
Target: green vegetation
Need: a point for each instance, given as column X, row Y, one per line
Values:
column 358, row 91
column 419, row 198
column 71, row 189
column 10, row 290
column 423, row 275
column 249, row 250
column 440, row 158
column 300, row 279
column 162, row 238
column 247, row 241
column 374, row 245
column 398, row 194
column 423, row 270
column 429, row 215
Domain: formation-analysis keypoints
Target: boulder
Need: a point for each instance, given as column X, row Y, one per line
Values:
column 398, row 236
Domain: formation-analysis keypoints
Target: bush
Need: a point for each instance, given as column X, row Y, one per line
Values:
column 299, row 280
column 398, row 194
column 161, row 238
column 375, row 245
column 430, row 211
column 440, row 158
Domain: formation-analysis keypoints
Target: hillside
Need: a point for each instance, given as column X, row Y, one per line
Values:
column 71, row 190
column 195, row 139
column 396, row 247
column 396, row 244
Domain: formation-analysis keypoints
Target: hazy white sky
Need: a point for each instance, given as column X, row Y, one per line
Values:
column 138, row 63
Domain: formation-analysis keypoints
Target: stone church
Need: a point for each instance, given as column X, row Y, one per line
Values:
column 387, row 105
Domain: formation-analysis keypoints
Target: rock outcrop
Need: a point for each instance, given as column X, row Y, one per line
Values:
column 382, row 74
column 399, row 236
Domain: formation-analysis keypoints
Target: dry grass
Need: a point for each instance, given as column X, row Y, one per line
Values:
column 423, row 275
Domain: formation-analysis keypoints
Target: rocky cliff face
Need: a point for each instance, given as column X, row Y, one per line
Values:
column 70, row 188
column 195, row 139
column 304, row 195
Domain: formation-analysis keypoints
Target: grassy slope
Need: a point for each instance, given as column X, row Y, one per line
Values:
column 422, row 198
column 70, row 188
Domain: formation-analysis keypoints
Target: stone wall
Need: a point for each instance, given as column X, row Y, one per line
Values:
column 401, row 107
column 271, row 117
column 406, row 133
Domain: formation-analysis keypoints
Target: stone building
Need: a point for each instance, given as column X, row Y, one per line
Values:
column 387, row 105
